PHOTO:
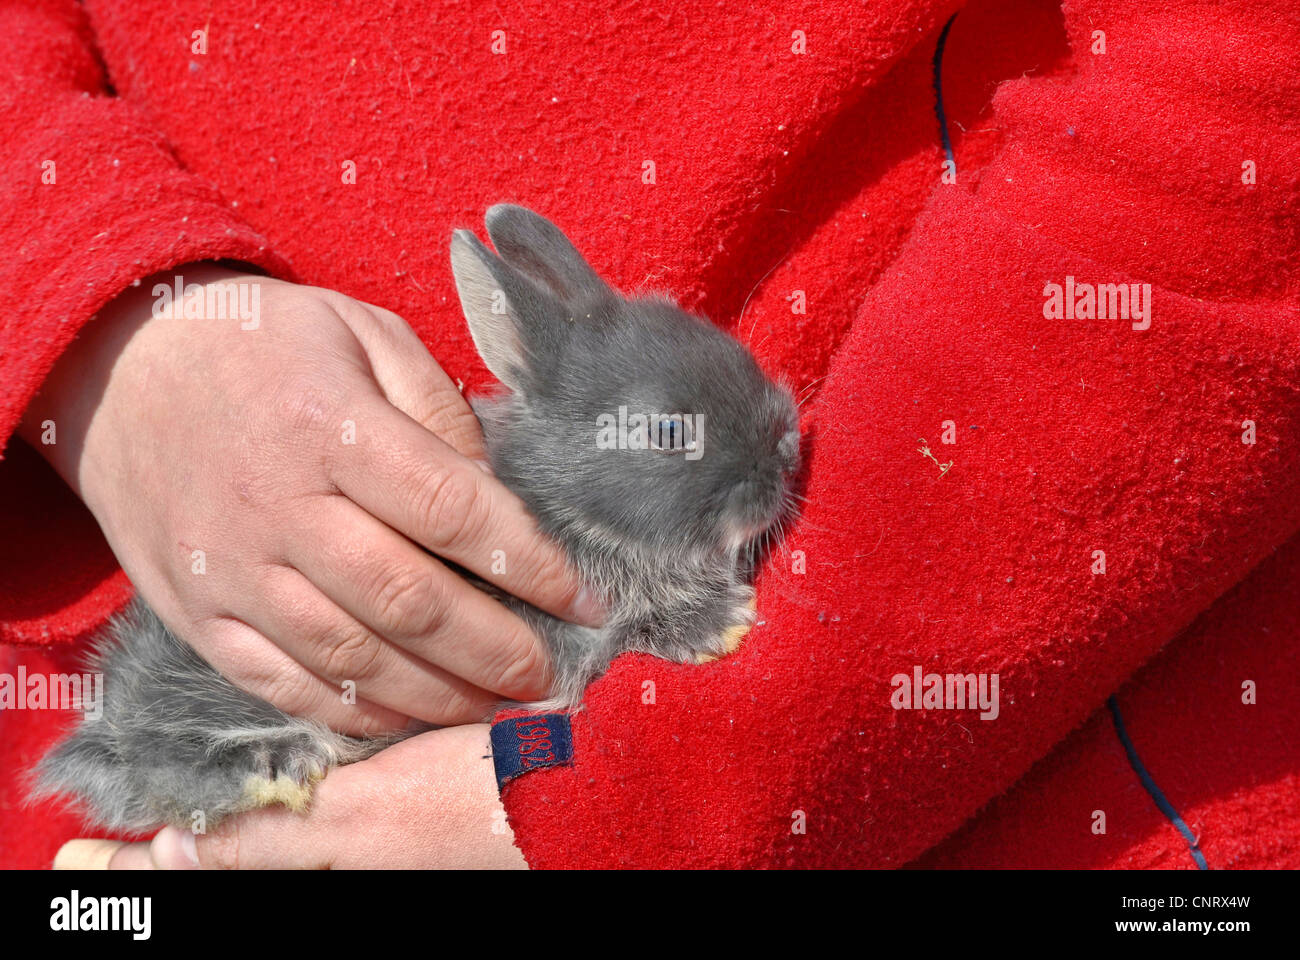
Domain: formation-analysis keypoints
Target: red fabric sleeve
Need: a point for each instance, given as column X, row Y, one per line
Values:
column 1071, row 436
column 1214, row 722
column 93, row 201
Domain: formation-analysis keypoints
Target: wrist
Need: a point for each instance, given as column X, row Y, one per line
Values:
column 74, row 403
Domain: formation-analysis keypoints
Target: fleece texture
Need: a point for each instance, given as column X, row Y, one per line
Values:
column 780, row 170
column 1209, row 720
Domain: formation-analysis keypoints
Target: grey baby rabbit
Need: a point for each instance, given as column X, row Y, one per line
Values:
column 647, row 442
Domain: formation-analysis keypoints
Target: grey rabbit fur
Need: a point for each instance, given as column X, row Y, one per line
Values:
column 665, row 526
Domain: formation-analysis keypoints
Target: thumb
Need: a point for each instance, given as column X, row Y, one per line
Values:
column 267, row 839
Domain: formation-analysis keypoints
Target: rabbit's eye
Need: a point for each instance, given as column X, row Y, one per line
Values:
column 672, row 434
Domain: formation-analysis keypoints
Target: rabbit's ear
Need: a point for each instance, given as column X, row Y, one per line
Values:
column 506, row 314
column 537, row 248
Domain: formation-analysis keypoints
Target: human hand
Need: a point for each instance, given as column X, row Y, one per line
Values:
column 427, row 802
column 267, row 485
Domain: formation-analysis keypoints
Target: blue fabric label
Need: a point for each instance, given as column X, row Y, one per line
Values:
column 521, row 744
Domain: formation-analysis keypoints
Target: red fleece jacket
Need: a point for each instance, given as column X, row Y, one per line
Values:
column 798, row 197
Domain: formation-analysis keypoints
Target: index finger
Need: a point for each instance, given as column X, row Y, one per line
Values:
column 405, row 476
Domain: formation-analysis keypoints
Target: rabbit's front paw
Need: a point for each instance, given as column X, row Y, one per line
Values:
column 285, row 769
column 730, row 638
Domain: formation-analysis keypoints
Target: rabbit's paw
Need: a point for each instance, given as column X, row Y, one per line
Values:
column 285, row 771
column 284, row 791
column 730, row 638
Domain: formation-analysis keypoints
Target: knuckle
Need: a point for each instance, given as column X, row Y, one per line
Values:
column 408, row 601
column 526, row 667
column 351, row 655
column 545, row 577
column 449, row 417
column 305, row 403
column 353, row 312
column 450, row 508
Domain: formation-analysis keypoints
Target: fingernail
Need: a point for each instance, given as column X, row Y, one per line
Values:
column 484, row 466
column 190, row 849
column 587, row 608
column 176, row 849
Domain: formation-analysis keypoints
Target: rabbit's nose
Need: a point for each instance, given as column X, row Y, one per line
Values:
column 788, row 450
